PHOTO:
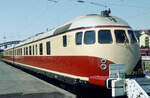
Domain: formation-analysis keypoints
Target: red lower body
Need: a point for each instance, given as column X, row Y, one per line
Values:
column 83, row 66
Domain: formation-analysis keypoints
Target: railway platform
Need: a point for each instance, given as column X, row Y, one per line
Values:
column 15, row 83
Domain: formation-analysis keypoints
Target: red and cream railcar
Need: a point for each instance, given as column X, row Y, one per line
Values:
column 80, row 50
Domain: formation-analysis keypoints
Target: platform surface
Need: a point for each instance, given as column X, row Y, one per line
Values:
column 15, row 83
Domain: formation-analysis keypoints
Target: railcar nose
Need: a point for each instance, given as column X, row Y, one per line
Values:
column 133, row 56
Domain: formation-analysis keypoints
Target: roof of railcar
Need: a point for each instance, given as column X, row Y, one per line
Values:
column 96, row 20
column 90, row 20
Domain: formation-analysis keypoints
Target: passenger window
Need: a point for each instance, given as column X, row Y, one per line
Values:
column 36, row 50
column 89, row 37
column 41, row 48
column 104, row 37
column 15, row 52
column 21, row 51
column 33, row 49
column 48, row 48
column 18, row 51
column 132, row 36
column 65, row 41
column 29, row 50
column 79, row 38
column 121, row 36
column 26, row 50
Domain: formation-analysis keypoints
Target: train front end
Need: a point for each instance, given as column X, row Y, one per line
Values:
column 114, row 43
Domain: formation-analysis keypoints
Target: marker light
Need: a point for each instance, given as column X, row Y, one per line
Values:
column 103, row 61
column 103, row 66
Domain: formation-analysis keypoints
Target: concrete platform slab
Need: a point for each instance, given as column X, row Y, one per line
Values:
column 15, row 83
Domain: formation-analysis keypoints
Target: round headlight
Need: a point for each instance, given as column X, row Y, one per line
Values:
column 103, row 61
column 103, row 66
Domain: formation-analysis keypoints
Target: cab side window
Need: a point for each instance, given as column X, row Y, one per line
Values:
column 121, row 36
column 132, row 36
column 79, row 38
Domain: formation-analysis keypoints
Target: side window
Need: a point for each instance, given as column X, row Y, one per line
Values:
column 36, row 50
column 132, row 36
column 48, row 48
column 18, row 51
column 26, row 50
column 89, row 37
column 41, row 48
column 65, row 41
column 21, row 51
column 79, row 38
column 30, row 50
column 33, row 49
column 15, row 52
column 104, row 37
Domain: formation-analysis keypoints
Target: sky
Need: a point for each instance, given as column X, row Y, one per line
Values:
column 20, row 19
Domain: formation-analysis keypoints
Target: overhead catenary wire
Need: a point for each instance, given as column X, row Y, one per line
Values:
column 54, row 1
column 93, row 3
column 105, row 4
column 112, row 4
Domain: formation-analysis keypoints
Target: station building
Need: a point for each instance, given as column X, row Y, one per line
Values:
column 144, row 39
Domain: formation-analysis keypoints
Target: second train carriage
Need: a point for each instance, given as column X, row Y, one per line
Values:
column 80, row 50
